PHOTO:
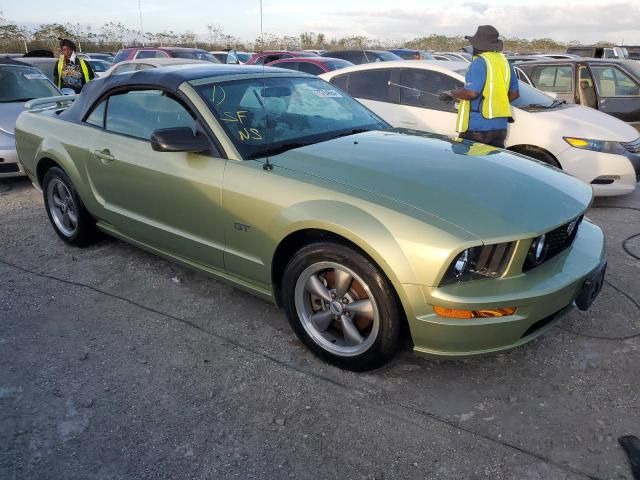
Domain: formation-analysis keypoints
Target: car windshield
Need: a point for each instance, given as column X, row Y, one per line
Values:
column 267, row 116
column 337, row 64
column 195, row 55
column 21, row 84
column 533, row 98
column 99, row 65
column 381, row 56
column 243, row 57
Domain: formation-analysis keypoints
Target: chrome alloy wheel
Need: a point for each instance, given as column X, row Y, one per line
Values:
column 337, row 309
column 62, row 207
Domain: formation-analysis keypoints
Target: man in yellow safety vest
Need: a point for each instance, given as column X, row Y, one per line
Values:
column 70, row 71
column 484, row 108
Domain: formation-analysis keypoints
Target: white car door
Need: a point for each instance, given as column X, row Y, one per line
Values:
column 419, row 107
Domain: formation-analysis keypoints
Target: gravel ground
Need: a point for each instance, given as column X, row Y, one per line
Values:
column 115, row 364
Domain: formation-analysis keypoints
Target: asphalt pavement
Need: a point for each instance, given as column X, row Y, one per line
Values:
column 116, row 364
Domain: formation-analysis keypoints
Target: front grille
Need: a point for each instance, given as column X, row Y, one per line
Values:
column 557, row 240
column 633, row 147
column 493, row 259
column 9, row 168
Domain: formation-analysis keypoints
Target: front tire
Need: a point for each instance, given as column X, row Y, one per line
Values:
column 65, row 210
column 341, row 306
column 539, row 154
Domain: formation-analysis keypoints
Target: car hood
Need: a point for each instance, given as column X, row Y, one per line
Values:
column 585, row 122
column 490, row 193
column 9, row 113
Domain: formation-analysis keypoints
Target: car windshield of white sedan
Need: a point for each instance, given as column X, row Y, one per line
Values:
column 272, row 115
column 533, row 98
column 21, row 84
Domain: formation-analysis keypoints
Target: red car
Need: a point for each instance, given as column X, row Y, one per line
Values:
column 312, row 65
column 262, row 58
column 163, row 52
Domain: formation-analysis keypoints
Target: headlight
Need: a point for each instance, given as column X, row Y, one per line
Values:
column 487, row 261
column 615, row 148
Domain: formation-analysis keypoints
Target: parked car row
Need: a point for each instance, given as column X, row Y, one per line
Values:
column 597, row 148
column 284, row 185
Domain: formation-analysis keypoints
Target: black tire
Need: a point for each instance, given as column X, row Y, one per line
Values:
column 386, row 323
column 85, row 230
column 539, row 154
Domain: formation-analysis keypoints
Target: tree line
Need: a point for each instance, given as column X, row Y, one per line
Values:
column 112, row 36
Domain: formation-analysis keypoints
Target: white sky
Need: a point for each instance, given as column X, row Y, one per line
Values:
column 584, row 20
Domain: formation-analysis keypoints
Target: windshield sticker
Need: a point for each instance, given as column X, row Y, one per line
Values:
column 326, row 93
column 34, row 76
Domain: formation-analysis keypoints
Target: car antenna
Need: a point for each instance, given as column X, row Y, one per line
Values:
column 267, row 165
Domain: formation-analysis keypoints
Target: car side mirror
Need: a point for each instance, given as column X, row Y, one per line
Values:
column 232, row 57
column 178, row 139
column 68, row 91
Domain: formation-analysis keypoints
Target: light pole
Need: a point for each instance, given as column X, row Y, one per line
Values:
column 140, row 12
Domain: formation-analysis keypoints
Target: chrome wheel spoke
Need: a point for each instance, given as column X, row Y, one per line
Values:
column 342, row 282
column 57, row 201
column 315, row 286
column 351, row 334
column 61, row 191
column 361, row 307
column 66, row 221
column 322, row 319
column 73, row 218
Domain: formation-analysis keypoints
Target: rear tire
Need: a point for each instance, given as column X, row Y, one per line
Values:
column 341, row 306
column 66, row 212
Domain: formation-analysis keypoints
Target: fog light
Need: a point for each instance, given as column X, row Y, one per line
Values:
column 538, row 250
column 469, row 314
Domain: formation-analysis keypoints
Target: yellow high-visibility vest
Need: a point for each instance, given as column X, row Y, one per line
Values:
column 83, row 67
column 495, row 93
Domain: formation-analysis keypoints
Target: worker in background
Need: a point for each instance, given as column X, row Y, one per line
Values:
column 490, row 86
column 70, row 71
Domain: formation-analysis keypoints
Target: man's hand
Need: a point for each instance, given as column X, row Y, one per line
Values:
column 446, row 96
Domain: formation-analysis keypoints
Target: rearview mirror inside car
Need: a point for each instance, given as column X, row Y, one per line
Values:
column 277, row 91
column 178, row 139
column 68, row 91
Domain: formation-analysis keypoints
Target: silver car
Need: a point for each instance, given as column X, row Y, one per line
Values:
column 19, row 83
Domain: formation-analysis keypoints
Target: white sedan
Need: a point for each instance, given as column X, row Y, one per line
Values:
column 593, row 146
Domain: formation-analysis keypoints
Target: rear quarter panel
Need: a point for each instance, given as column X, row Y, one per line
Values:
column 41, row 136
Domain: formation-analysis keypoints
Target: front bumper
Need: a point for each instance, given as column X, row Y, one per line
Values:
column 589, row 166
column 9, row 164
column 542, row 296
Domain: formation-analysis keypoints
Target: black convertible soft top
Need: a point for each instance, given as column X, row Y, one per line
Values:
column 169, row 78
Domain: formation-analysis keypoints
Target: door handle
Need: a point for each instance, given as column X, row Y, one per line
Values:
column 104, row 155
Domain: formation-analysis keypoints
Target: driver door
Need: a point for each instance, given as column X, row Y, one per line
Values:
column 171, row 201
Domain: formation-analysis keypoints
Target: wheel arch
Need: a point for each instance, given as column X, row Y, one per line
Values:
column 52, row 153
column 367, row 235
column 531, row 150
column 298, row 239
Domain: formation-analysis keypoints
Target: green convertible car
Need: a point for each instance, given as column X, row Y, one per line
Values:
column 283, row 185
